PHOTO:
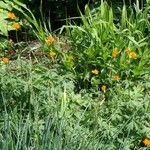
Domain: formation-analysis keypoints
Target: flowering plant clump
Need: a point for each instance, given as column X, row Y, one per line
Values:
column 92, row 95
column 114, row 50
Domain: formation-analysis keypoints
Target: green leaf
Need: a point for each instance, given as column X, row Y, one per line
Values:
column 3, row 27
column 6, row 6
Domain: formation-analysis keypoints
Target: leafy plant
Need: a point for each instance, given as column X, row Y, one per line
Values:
column 112, row 49
column 40, row 110
column 87, row 89
column 9, row 20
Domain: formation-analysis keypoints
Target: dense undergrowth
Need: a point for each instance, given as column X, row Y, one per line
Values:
column 86, row 88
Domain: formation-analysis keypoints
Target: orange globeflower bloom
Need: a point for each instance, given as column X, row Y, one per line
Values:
column 95, row 72
column 11, row 15
column 16, row 26
column 49, row 40
column 5, row 60
column 116, row 77
column 146, row 142
column 51, row 54
column 104, row 88
column 115, row 52
column 133, row 55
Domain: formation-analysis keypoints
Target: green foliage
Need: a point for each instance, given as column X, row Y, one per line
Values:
column 110, row 48
column 87, row 89
column 7, row 20
column 55, row 11
column 40, row 110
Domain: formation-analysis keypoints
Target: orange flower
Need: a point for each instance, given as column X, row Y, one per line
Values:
column 133, row 55
column 104, row 88
column 16, row 26
column 49, row 40
column 95, row 72
column 5, row 60
column 146, row 142
column 51, row 54
column 11, row 15
column 116, row 77
column 115, row 52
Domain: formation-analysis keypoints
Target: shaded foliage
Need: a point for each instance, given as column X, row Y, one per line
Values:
column 56, row 11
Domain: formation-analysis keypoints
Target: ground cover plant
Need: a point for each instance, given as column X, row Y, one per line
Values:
column 87, row 87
